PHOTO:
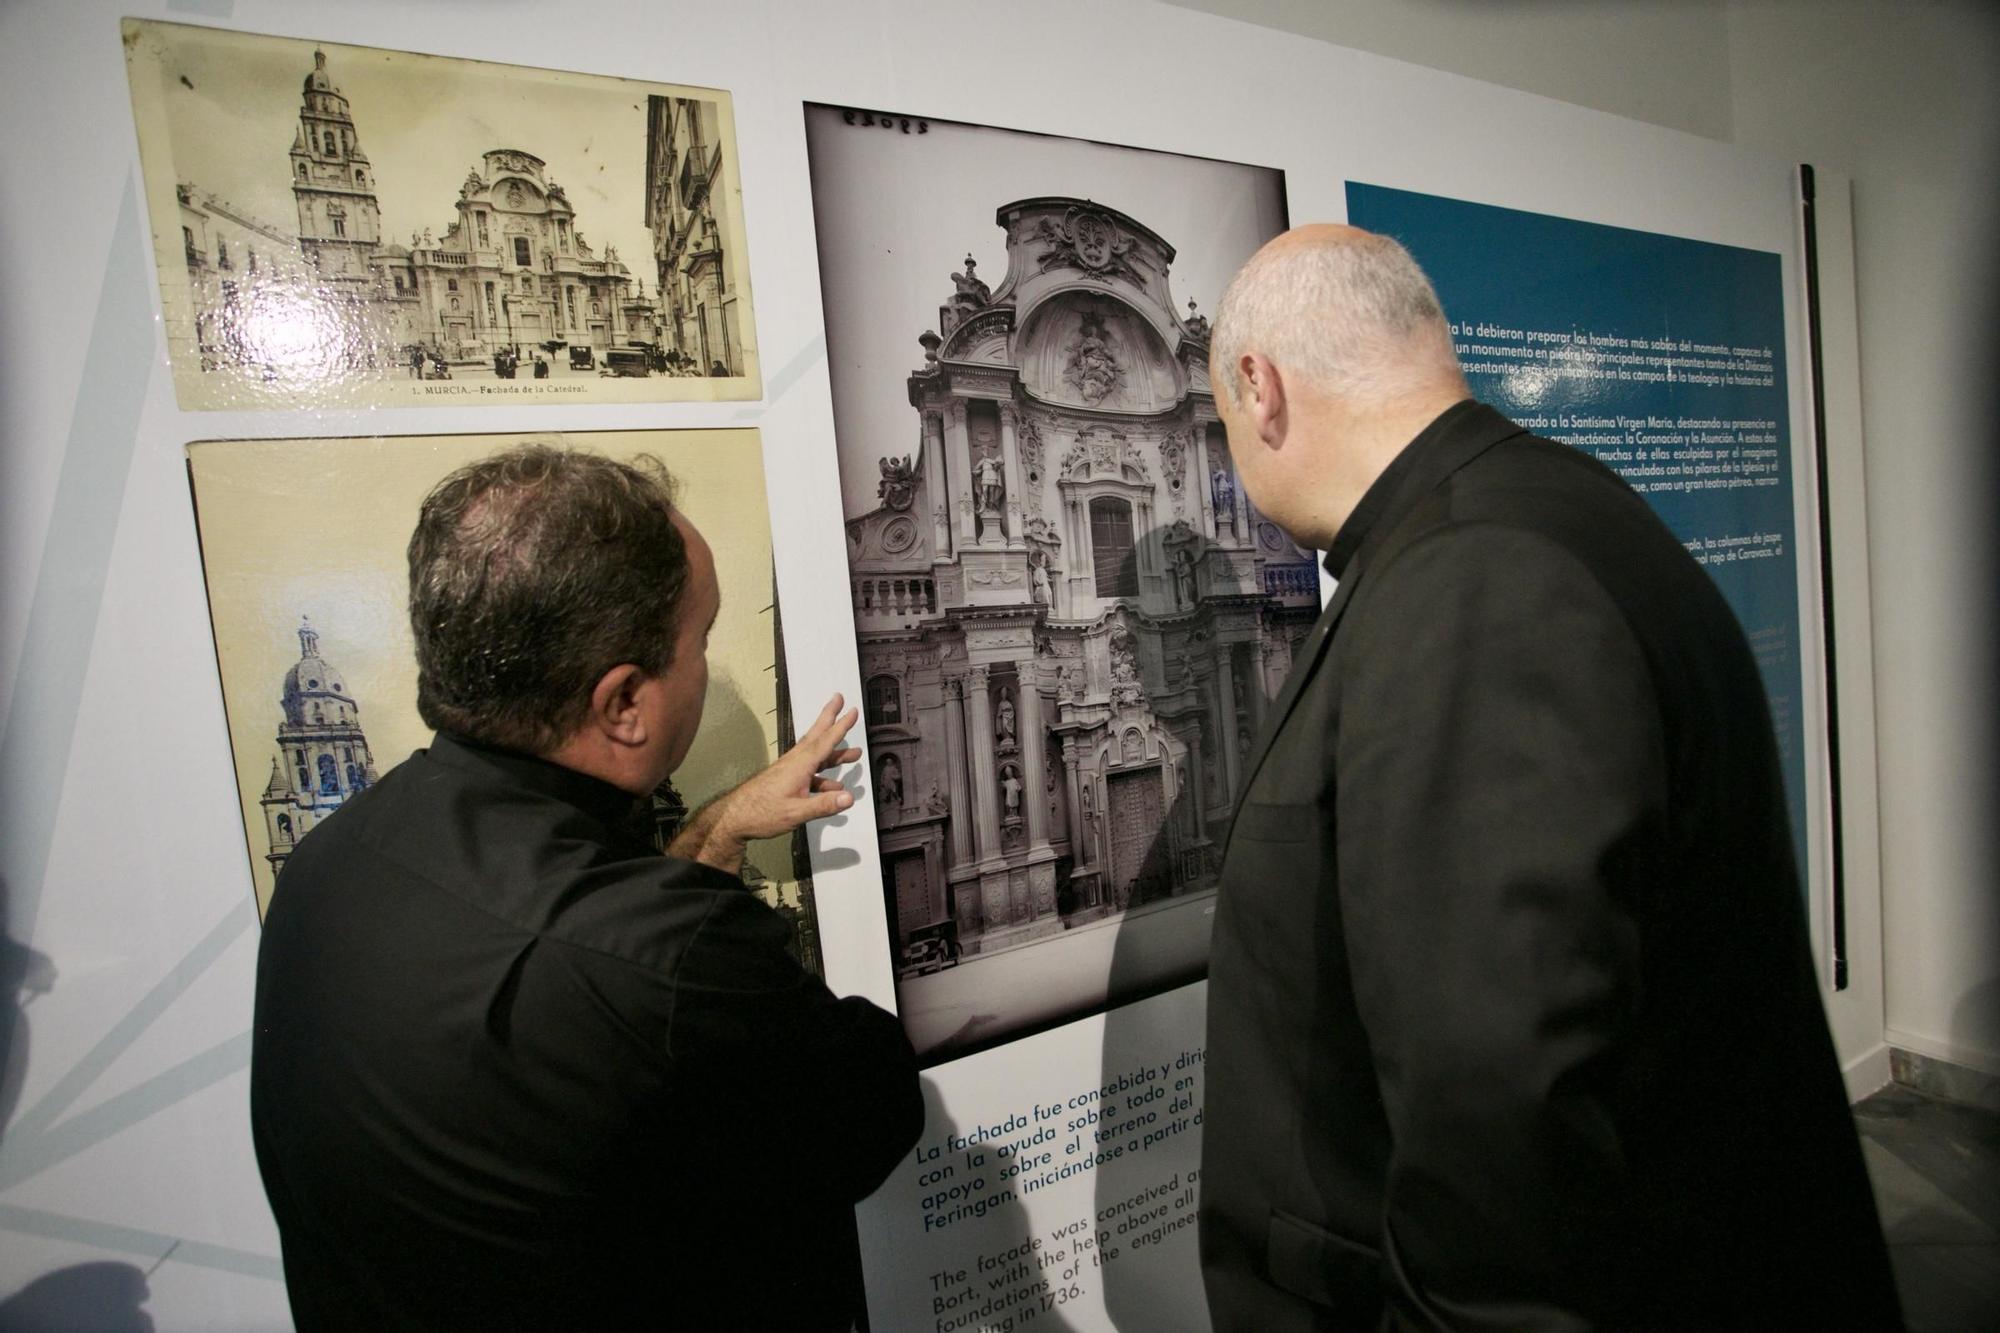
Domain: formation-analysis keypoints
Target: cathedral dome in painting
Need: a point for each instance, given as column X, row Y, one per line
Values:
column 313, row 683
column 323, row 758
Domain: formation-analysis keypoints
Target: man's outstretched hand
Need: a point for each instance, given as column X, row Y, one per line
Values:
column 791, row 792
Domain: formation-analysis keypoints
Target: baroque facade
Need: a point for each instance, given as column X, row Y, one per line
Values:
column 322, row 758
column 511, row 269
column 1070, row 619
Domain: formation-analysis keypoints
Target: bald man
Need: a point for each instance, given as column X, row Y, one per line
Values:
column 1512, row 1018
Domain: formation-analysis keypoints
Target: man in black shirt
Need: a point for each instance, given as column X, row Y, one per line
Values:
column 513, row 1069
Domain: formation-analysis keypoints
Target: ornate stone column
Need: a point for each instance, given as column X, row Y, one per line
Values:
column 985, row 782
column 1010, row 464
column 1198, row 787
column 955, row 777
column 1225, row 723
column 1253, row 689
column 1034, row 760
column 958, row 446
column 1079, row 835
column 935, row 494
column 1203, row 471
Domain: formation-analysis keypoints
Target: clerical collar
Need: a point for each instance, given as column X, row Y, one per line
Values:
column 1378, row 496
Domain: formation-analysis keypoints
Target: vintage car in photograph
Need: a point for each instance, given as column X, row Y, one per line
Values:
column 929, row 949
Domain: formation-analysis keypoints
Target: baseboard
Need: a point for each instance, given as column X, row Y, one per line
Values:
column 1946, row 1079
column 1868, row 1073
column 1951, row 1052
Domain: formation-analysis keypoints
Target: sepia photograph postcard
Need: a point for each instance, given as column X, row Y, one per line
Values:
column 1069, row 617
column 343, row 226
column 303, row 547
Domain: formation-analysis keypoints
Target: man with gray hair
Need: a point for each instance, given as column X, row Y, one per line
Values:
column 513, row 1068
column 1512, row 1015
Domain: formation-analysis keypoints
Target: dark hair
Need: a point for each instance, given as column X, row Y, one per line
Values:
column 532, row 573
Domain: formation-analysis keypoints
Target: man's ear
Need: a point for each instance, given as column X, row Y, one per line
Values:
column 614, row 705
column 1263, row 397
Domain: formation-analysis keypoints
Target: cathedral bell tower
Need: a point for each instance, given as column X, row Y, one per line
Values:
column 340, row 223
column 322, row 756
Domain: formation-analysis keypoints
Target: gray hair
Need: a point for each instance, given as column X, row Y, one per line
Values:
column 1352, row 315
column 532, row 573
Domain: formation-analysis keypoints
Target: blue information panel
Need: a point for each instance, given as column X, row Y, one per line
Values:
column 1664, row 358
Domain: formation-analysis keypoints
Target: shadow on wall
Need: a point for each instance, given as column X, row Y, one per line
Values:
column 1007, row 1225
column 1162, row 1185
column 24, row 974
column 97, row 1298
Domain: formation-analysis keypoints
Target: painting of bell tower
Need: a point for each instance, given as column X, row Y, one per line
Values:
column 323, row 757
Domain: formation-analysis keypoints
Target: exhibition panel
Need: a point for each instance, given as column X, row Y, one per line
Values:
column 285, row 282
column 1069, row 618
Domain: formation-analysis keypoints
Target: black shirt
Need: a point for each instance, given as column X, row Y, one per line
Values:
column 514, row 1069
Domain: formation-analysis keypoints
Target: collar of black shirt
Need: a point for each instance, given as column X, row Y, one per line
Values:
column 1388, row 486
column 609, row 805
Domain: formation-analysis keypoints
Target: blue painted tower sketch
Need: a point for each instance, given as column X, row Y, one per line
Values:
column 322, row 758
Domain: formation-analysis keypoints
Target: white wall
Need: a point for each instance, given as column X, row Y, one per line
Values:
column 1898, row 97
column 1902, row 98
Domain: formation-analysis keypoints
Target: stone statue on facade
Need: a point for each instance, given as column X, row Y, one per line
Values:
column 899, row 482
column 1184, row 580
column 968, row 292
column 1091, row 369
column 1004, row 720
column 1038, row 575
column 889, row 782
column 990, row 483
column 1125, row 687
column 1222, row 488
column 1010, row 791
column 1196, row 325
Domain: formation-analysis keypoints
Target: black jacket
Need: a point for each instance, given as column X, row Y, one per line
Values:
column 1512, row 1019
column 515, row 1070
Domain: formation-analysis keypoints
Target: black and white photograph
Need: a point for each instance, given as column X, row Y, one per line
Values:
column 348, row 226
column 1069, row 618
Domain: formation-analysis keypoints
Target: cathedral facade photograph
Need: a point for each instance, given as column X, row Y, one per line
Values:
column 368, row 226
column 1069, row 618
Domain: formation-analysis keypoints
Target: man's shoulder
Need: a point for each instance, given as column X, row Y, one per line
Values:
column 1533, row 522
column 431, row 842
column 1529, row 491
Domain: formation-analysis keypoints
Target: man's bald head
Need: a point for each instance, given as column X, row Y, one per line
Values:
column 1340, row 311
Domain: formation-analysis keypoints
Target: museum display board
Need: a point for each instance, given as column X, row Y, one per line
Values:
column 978, row 456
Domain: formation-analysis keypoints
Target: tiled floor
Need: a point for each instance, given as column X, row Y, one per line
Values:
column 1936, row 1169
